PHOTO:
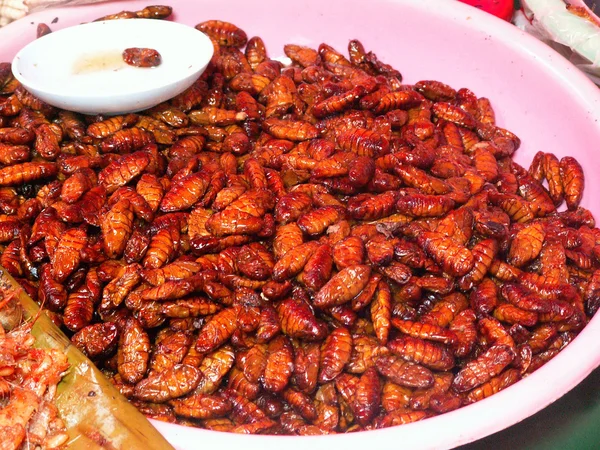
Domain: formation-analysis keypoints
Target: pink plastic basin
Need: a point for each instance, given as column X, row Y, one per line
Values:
column 536, row 94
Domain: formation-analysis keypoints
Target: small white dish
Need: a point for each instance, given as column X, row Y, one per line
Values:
column 81, row 68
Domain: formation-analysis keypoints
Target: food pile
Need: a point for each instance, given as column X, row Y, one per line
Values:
column 28, row 378
column 305, row 249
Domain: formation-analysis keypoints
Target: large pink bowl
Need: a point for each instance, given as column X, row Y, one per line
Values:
column 536, row 93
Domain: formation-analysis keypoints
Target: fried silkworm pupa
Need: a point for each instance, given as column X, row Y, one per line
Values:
column 225, row 33
column 142, row 57
column 133, row 352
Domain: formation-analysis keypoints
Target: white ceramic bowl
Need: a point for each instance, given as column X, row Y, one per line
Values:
column 81, row 68
column 535, row 92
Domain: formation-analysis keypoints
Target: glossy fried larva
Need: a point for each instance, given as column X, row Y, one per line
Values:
column 495, row 385
column 435, row 90
column 149, row 187
column 201, row 406
column 446, row 309
column 425, row 331
column 185, row 192
column 214, row 366
column 511, row 314
column 117, row 227
column 68, row 253
column 429, row 354
column 298, row 320
column 338, row 103
column 96, row 340
column 454, row 114
column 216, row 116
column 420, row 205
column 463, row 326
column 399, row 417
column 405, row 99
column 484, row 368
column 372, row 207
column 419, row 179
column 367, row 398
column 515, row 206
column 121, row 171
column 306, row 366
column 233, row 221
column 172, row 383
column 155, row 12
column 343, row 286
column 316, row 221
column 255, row 51
column 484, row 253
column 572, row 177
column 454, row 259
column 51, row 292
column 225, row 33
column 162, row 248
column 217, row 330
column 12, row 153
column 117, row 289
column 335, row 353
column 105, row 128
column 78, row 184
column 404, row 373
column 255, row 262
column 79, row 309
column 170, row 349
column 348, row 252
column 16, row 136
column 126, row 140
column 26, row 172
column 523, row 298
column 381, row 312
column 142, row 57
column 363, row 142
column 134, row 352
column 366, row 349
column 138, row 204
column 289, row 129
column 280, row 364
column 291, row 206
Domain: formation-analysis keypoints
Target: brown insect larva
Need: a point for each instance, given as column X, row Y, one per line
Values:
column 127, row 140
column 201, row 406
column 96, row 340
column 117, row 226
column 572, row 177
column 455, row 259
column 291, row 130
column 280, row 364
column 335, row 353
column 297, row 320
column 169, row 384
column 225, row 33
column 339, row 289
column 429, row 354
column 141, row 57
column 216, row 331
column 134, row 352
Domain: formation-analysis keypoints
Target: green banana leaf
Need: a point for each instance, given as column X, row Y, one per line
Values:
column 96, row 415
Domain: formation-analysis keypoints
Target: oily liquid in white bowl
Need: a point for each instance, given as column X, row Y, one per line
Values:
column 103, row 61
